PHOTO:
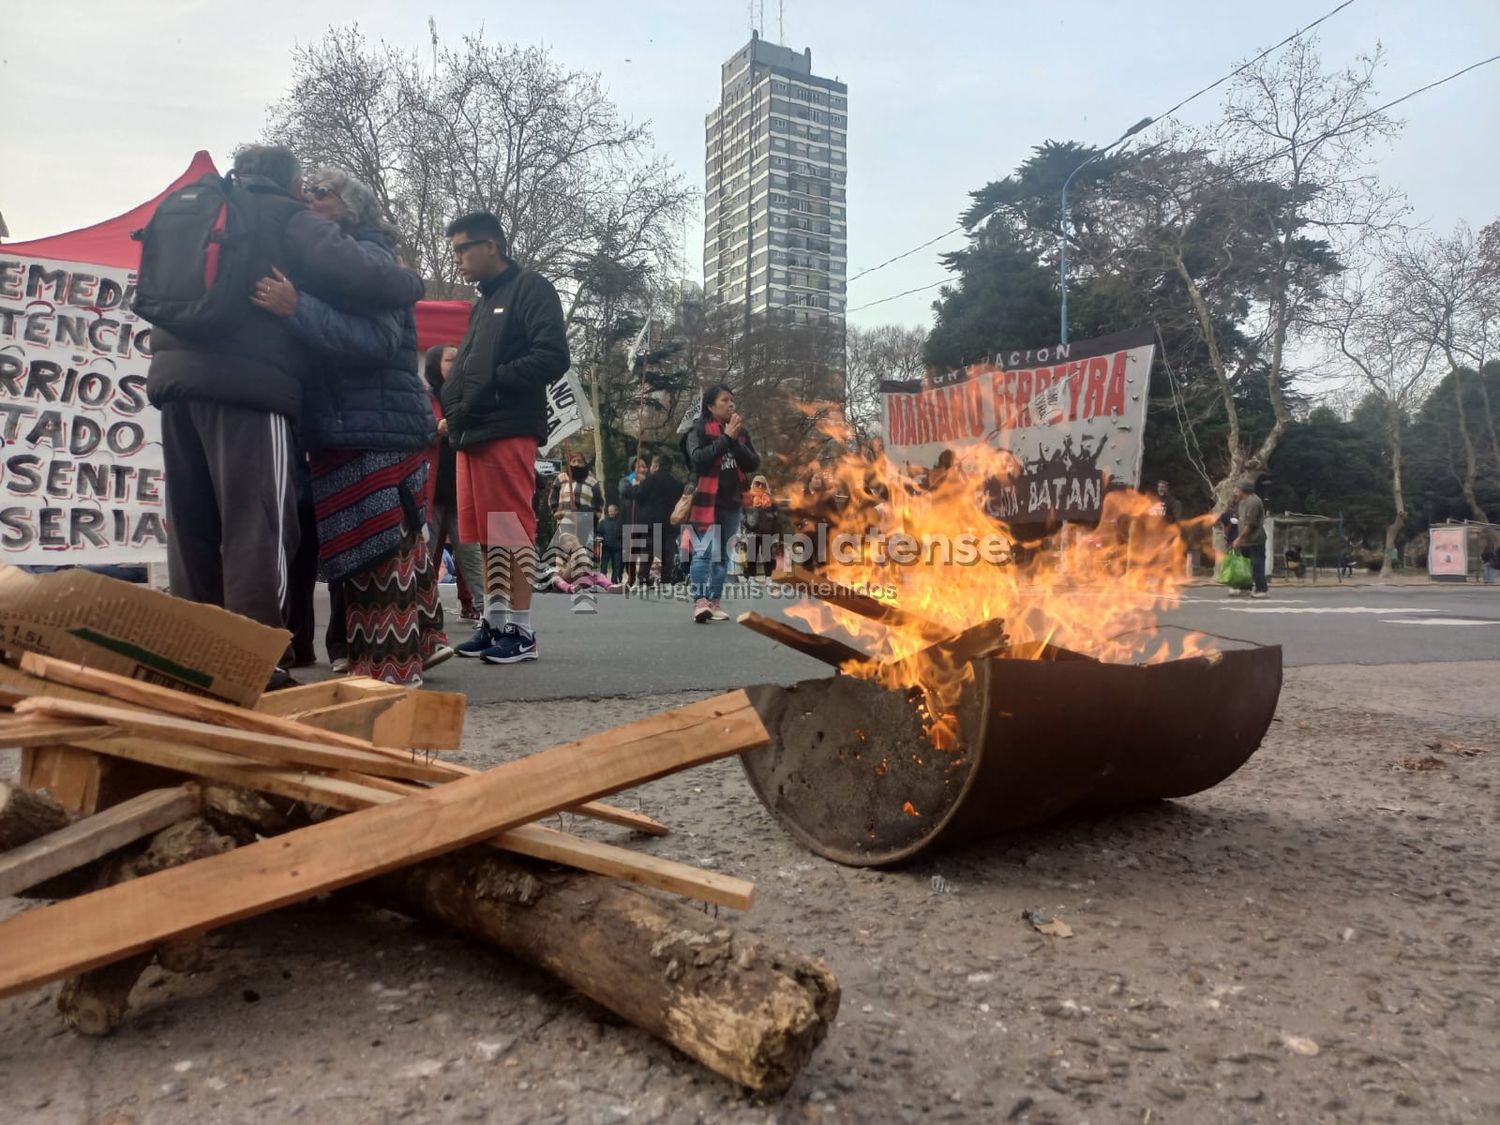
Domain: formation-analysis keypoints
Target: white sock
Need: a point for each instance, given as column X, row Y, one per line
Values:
column 521, row 618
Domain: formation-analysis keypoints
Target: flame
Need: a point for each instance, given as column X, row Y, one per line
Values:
column 1097, row 591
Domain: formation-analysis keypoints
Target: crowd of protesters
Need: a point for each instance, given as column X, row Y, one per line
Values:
column 312, row 440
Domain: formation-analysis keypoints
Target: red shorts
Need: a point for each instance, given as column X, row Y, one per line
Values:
column 496, row 483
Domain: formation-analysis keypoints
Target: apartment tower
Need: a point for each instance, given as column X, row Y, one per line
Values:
column 775, row 239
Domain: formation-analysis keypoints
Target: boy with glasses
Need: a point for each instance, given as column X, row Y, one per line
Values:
column 495, row 411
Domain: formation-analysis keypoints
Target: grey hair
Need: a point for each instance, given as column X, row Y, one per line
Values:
column 361, row 207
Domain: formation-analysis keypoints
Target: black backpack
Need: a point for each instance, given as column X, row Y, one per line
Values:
column 198, row 264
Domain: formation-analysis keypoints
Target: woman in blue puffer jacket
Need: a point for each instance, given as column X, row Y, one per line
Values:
column 368, row 428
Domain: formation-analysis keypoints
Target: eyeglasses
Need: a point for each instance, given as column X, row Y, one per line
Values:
column 462, row 248
column 323, row 191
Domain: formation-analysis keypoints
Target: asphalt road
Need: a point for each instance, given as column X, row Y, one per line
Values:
column 634, row 646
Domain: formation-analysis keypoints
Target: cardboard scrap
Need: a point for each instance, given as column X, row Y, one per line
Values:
column 121, row 627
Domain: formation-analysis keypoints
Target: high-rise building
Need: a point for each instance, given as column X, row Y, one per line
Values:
column 775, row 239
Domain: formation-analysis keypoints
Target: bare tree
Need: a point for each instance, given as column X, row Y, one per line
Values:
column 1449, row 298
column 1246, row 220
column 1390, row 361
column 497, row 128
column 887, row 351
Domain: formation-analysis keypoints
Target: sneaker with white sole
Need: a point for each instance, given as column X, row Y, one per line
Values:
column 513, row 644
column 716, row 612
column 1260, row 594
column 340, row 664
column 483, row 640
column 437, row 656
column 703, row 610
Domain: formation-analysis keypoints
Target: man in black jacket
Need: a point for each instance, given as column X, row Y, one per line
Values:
column 229, row 408
column 495, row 411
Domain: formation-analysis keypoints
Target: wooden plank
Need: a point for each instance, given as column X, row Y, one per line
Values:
column 164, row 700
column 303, row 697
column 541, row 842
column 95, row 929
column 49, row 732
column 349, row 792
column 275, row 749
column 555, row 846
column 71, row 776
column 597, row 810
column 334, row 792
column 323, row 693
column 352, row 717
column 826, row 649
column 885, row 613
column 984, row 639
column 440, row 713
column 94, row 836
column 423, row 720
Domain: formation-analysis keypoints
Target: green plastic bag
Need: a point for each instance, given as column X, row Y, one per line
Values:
column 1234, row 571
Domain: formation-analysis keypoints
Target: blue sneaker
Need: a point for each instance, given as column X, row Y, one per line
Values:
column 483, row 640
column 513, row 644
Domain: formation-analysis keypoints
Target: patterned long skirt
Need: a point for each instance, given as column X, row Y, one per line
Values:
column 370, row 522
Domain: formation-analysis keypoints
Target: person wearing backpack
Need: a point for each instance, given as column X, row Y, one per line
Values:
column 368, row 428
column 227, row 376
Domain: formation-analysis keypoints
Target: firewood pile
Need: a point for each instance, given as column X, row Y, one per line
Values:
column 145, row 817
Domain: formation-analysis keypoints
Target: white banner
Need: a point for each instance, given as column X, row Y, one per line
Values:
column 568, row 411
column 1068, row 419
column 81, row 479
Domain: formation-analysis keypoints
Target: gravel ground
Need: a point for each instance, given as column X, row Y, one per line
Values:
column 1317, row 939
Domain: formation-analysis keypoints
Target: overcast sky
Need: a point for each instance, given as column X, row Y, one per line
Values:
column 106, row 102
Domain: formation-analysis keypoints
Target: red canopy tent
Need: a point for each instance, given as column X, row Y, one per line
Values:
column 109, row 244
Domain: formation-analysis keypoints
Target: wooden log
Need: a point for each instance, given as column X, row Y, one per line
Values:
column 26, row 815
column 826, row 649
column 83, row 933
column 742, row 1005
column 95, row 1002
column 94, row 837
column 977, row 641
column 271, row 748
column 886, row 613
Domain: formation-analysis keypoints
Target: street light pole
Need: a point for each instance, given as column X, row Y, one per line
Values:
column 1062, row 258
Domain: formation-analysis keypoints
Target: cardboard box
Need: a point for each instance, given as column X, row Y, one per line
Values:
column 138, row 632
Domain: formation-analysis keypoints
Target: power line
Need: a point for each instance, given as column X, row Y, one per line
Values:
column 910, row 252
column 893, row 296
column 1159, row 117
column 1237, row 171
column 1246, row 66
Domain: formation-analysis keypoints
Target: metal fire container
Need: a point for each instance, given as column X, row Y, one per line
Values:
column 851, row 773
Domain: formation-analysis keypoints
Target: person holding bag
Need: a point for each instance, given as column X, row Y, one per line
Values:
column 719, row 450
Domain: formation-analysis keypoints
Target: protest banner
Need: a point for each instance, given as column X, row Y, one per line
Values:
column 568, row 409
column 1066, row 421
column 82, row 463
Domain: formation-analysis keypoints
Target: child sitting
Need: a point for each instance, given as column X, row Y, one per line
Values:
column 575, row 570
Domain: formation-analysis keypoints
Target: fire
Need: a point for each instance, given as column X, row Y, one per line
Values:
column 949, row 565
